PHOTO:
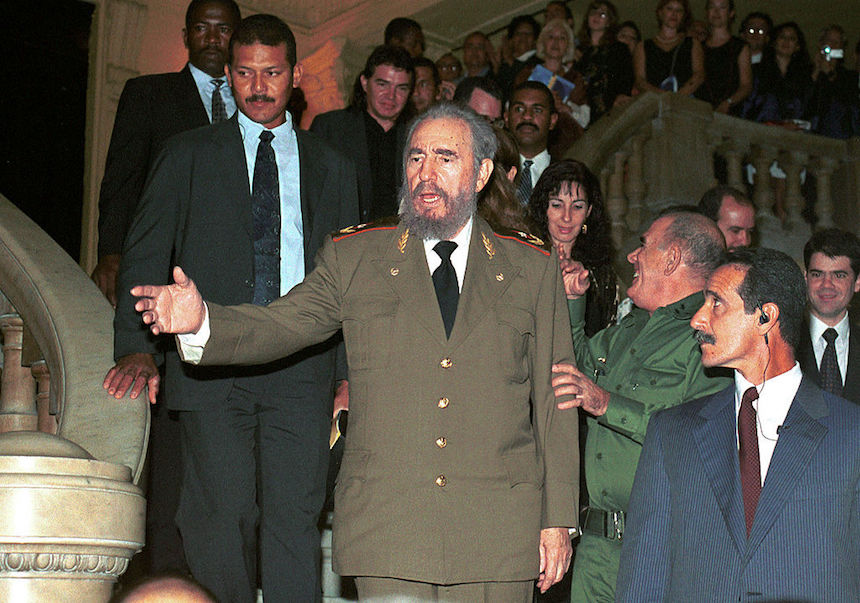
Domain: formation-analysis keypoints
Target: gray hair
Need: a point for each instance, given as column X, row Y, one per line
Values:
column 702, row 244
column 484, row 143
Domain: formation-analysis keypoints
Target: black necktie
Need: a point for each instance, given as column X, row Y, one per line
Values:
column 831, row 377
column 524, row 191
column 219, row 111
column 748, row 455
column 445, row 283
column 266, row 210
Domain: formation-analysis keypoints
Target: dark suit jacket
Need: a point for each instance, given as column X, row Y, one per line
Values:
column 686, row 538
column 806, row 357
column 196, row 213
column 344, row 130
column 151, row 109
column 456, row 455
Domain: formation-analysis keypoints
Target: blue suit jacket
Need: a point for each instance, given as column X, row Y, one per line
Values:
column 686, row 538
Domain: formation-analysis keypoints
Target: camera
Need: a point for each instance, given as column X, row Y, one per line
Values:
column 832, row 53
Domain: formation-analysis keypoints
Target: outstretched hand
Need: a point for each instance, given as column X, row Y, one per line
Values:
column 574, row 275
column 176, row 308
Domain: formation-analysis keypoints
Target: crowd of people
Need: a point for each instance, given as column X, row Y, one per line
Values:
column 461, row 471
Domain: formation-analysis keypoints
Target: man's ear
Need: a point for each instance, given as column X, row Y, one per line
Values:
column 484, row 172
column 673, row 259
column 185, row 37
column 553, row 120
column 298, row 71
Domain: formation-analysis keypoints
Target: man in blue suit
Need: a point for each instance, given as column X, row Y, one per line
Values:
column 753, row 493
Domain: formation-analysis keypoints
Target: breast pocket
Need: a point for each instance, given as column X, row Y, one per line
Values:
column 367, row 324
column 515, row 332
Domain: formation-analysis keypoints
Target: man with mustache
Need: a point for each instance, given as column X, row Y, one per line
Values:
column 243, row 205
column 460, row 476
column 530, row 116
column 751, row 493
column 151, row 109
column 628, row 371
column 827, row 352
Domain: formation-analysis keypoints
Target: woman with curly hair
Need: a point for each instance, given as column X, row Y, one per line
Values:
column 567, row 210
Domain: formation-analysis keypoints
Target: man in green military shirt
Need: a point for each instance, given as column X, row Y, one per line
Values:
column 627, row 372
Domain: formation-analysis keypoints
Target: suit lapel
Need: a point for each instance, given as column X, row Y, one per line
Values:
column 717, row 442
column 404, row 267
column 488, row 276
column 313, row 174
column 801, row 435
column 852, row 378
column 189, row 102
column 234, row 170
column 806, row 355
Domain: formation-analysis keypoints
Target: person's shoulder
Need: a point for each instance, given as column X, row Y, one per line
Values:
column 518, row 240
column 320, row 147
column 155, row 80
column 203, row 136
column 360, row 233
column 334, row 117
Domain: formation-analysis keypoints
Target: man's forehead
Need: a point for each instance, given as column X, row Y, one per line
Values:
column 726, row 279
column 530, row 98
column 390, row 73
column 447, row 132
column 824, row 262
column 212, row 11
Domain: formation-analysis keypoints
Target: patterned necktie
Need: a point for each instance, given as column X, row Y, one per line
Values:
column 445, row 283
column 831, row 377
column 524, row 191
column 219, row 111
column 748, row 455
column 266, row 211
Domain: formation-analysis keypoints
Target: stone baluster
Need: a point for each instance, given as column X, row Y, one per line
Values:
column 763, row 157
column 635, row 185
column 792, row 163
column 822, row 169
column 47, row 415
column 734, row 153
column 17, row 387
column 616, row 202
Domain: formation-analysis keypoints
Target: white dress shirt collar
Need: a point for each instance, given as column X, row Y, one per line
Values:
column 819, row 344
column 775, row 397
column 458, row 257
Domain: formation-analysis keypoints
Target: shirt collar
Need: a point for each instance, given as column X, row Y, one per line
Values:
column 775, row 397
column 462, row 239
column 204, row 80
column 539, row 161
column 817, row 327
column 251, row 129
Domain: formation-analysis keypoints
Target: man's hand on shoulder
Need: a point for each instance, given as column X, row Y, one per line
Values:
column 133, row 371
column 176, row 308
column 570, row 381
column 104, row 276
column 555, row 554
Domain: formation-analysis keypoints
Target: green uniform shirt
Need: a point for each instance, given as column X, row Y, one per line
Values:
column 646, row 363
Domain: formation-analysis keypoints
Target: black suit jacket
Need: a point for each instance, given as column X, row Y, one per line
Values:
column 151, row 109
column 344, row 129
column 196, row 213
column 806, row 357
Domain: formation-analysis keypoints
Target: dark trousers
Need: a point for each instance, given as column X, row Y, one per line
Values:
column 273, row 430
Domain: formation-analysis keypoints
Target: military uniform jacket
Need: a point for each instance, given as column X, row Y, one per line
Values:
column 646, row 363
column 456, row 455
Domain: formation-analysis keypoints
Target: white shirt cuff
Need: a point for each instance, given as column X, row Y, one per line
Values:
column 190, row 345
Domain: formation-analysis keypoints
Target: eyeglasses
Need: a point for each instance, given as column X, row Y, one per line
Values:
column 598, row 13
column 448, row 67
column 756, row 31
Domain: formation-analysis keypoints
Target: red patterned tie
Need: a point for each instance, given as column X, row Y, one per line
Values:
column 748, row 455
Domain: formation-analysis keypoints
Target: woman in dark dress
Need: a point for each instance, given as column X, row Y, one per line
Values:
column 728, row 71
column 670, row 62
column 567, row 211
column 606, row 64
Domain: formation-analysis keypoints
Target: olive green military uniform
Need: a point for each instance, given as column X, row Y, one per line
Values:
column 646, row 363
column 456, row 455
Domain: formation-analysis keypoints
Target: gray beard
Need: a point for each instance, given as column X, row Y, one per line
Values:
column 460, row 209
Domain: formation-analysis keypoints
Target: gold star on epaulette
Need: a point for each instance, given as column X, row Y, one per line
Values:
column 488, row 245
column 351, row 229
column 529, row 238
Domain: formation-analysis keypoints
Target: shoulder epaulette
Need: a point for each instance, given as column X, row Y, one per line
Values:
column 384, row 224
column 524, row 238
